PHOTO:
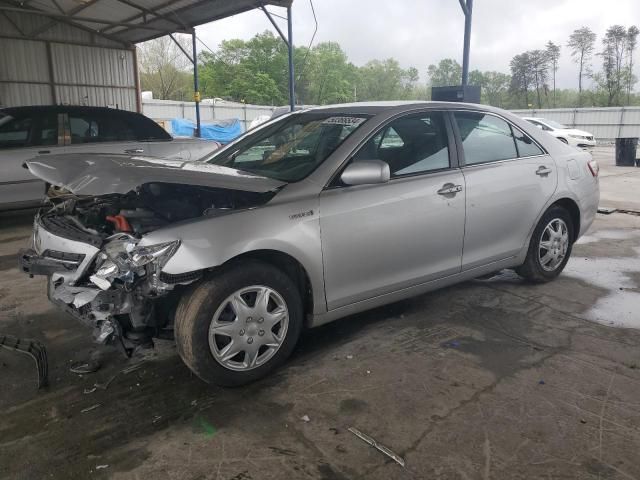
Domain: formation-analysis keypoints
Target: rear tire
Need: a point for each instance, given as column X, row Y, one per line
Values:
column 210, row 315
column 549, row 248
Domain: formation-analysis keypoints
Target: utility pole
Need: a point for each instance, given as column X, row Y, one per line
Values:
column 292, row 91
column 196, row 82
column 467, row 9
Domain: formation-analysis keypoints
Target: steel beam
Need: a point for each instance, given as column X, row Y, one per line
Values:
column 292, row 90
column 467, row 9
column 186, row 54
column 196, row 82
column 275, row 25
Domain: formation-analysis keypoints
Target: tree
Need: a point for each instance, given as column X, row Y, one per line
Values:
column 164, row 68
column 553, row 56
column 613, row 76
column 521, row 76
column 539, row 71
column 331, row 77
column 385, row 80
column 495, row 88
column 582, row 43
column 446, row 72
column 632, row 40
column 253, row 71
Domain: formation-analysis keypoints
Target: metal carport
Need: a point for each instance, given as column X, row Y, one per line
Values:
column 90, row 37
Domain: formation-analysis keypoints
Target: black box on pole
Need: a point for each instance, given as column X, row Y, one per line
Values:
column 456, row 93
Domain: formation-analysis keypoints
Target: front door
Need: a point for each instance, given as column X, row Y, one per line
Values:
column 378, row 239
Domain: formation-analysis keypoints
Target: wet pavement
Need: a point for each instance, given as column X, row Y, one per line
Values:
column 493, row 378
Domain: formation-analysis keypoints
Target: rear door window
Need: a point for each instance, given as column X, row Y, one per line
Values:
column 99, row 127
column 15, row 132
column 46, row 132
column 485, row 138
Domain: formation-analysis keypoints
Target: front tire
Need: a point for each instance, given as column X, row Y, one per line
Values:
column 549, row 248
column 240, row 324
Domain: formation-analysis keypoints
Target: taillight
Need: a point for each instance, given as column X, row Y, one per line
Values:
column 594, row 168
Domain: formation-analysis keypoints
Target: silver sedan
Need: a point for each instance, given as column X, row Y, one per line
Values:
column 310, row 217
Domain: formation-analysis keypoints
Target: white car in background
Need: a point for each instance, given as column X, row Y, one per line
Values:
column 570, row 136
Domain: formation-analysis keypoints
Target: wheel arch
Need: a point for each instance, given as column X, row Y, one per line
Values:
column 574, row 212
column 289, row 265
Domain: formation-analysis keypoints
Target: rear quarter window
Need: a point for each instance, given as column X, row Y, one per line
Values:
column 146, row 129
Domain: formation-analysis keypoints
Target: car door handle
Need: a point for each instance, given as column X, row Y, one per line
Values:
column 134, row 150
column 449, row 189
column 43, row 152
column 542, row 170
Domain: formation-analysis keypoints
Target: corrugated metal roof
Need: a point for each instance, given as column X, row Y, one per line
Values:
column 132, row 21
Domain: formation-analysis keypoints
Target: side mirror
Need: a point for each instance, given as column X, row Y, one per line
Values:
column 366, row 172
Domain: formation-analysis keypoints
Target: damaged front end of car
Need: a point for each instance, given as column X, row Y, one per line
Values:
column 101, row 267
column 109, row 282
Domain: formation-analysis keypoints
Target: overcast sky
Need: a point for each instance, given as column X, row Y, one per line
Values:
column 420, row 32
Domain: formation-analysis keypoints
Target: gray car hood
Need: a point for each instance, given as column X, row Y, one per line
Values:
column 101, row 174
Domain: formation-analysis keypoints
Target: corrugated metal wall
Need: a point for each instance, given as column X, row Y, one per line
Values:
column 45, row 63
column 604, row 123
column 167, row 109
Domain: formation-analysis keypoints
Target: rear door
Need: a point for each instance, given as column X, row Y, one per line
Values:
column 24, row 137
column 101, row 131
column 381, row 238
column 509, row 179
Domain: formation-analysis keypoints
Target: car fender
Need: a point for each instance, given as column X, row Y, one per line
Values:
column 290, row 228
column 580, row 190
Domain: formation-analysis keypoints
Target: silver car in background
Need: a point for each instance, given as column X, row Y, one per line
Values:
column 27, row 132
column 310, row 217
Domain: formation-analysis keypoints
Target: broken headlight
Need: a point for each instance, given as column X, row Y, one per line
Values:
column 123, row 258
column 160, row 254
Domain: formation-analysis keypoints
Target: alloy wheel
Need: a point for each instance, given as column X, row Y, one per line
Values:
column 248, row 328
column 553, row 246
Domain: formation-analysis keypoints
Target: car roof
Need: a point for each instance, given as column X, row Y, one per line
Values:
column 39, row 109
column 374, row 108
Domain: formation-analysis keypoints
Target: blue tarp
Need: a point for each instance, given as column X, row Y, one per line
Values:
column 223, row 131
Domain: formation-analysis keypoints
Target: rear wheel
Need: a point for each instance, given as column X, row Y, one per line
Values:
column 240, row 324
column 549, row 248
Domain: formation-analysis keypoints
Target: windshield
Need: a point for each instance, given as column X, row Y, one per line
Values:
column 291, row 148
column 553, row 124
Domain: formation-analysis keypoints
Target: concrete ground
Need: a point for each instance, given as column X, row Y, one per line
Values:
column 489, row 379
column 618, row 185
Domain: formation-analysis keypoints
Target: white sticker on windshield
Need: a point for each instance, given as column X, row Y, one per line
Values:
column 343, row 121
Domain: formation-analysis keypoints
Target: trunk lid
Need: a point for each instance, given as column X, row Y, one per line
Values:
column 102, row 174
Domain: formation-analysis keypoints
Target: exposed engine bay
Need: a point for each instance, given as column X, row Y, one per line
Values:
column 104, row 277
column 152, row 206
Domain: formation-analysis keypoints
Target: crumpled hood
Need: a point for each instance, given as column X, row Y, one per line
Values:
column 101, row 174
